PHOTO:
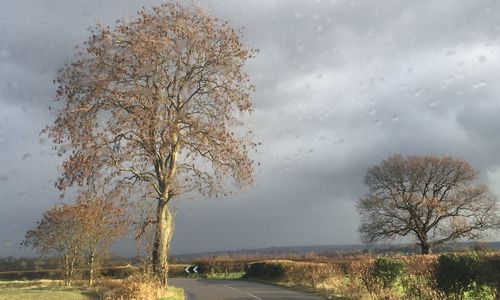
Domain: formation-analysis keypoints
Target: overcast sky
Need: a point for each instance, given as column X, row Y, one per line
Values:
column 340, row 86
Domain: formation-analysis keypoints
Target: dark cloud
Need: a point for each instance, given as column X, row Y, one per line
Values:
column 340, row 86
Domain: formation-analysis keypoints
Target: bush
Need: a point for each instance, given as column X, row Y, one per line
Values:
column 479, row 292
column 388, row 271
column 177, row 270
column 138, row 287
column 267, row 270
column 489, row 271
column 455, row 273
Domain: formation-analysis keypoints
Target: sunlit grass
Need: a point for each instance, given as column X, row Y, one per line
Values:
column 173, row 293
column 46, row 294
column 54, row 290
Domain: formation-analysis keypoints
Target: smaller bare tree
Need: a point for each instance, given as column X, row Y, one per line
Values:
column 58, row 232
column 82, row 232
column 103, row 218
column 433, row 199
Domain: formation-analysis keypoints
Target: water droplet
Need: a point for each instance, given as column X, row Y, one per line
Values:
column 372, row 112
column 418, row 92
column 479, row 85
column 310, row 151
column 481, row 59
column 339, row 141
column 26, row 156
column 378, row 122
column 395, row 118
column 433, row 103
column 449, row 79
column 4, row 178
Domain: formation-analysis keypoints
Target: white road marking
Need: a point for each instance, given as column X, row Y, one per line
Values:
column 248, row 294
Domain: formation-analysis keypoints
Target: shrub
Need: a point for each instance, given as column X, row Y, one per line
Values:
column 267, row 270
column 388, row 271
column 489, row 271
column 138, row 287
column 177, row 270
column 455, row 273
column 479, row 292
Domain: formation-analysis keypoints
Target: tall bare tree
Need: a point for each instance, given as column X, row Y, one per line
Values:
column 433, row 199
column 153, row 102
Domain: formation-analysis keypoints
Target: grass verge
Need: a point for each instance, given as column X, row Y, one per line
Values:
column 173, row 293
column 48, row 293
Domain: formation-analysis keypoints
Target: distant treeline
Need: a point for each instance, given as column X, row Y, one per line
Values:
column 330, row 251
column 26, row 268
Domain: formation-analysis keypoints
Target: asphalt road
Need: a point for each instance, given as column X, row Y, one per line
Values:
column 201, row 289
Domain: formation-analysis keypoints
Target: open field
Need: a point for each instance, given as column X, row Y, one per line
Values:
column 46, row 294
column 43, row 289
column 106, row 289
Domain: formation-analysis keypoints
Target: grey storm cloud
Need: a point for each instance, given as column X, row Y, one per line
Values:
column 340, row 85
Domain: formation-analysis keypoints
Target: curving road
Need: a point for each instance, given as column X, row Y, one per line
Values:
column 201, row 289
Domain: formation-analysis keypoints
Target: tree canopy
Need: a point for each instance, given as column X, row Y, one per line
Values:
column 434, row 200
column 153, row 104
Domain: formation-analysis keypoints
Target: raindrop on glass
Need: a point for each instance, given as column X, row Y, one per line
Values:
column 479, row 85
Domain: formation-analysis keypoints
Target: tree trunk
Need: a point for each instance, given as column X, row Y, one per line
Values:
column 71, row 269
column 162, row 242
column 66, row 270
column 91, row 268
column 425, row 247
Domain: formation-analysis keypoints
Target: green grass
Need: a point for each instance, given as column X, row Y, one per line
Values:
column 46, row 294
column 52, row 290
column 174, row 294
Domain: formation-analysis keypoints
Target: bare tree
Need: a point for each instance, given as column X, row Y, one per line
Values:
column 153, row 102
column 58, row 232
column 102, row 217
column 433, row 199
